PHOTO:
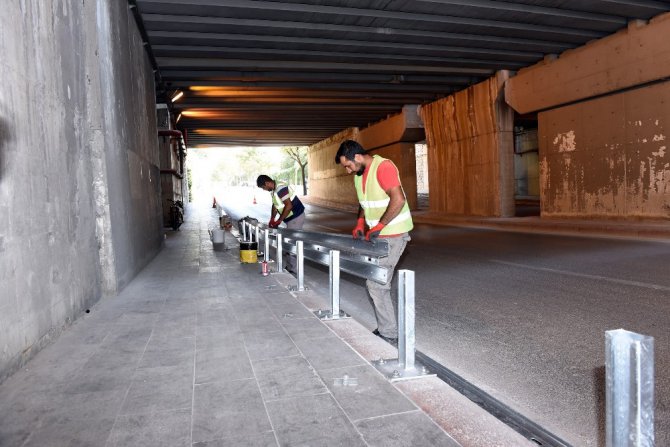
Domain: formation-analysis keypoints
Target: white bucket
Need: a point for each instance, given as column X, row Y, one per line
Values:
column 217, row 236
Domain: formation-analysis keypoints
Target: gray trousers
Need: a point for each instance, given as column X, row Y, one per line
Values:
column 380, row 294
column 294, row 224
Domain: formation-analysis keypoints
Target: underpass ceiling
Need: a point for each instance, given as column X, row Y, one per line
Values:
column 295, row 72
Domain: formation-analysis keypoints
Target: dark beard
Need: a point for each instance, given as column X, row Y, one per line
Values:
column 360, row 171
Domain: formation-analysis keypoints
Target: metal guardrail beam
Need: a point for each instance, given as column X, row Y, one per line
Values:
column 358, row 258
column 345, row 244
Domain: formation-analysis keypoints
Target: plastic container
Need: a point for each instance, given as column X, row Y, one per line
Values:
column 217, row 236
column 248, row 252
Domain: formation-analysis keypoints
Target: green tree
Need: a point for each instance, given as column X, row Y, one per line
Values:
column 299, row 155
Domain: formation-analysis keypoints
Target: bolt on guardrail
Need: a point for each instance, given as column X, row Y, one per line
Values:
column 629, row 398
column 405, row 366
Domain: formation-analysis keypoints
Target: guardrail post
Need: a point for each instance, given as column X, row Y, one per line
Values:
column 629, row 398
column 334, row 288
column 405, row 366
column 266, row 255
column 280, row 255
column 300, row 258
column 406, row 313
column 334, row 282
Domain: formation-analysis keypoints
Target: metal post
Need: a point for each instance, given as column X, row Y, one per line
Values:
column 406, row 312
column 629, row 398
column 405, row 367
column 266, row 255
column 300, row 257
column 257, row 240
column 334, row 278
column 334, row 287
column 280, row 255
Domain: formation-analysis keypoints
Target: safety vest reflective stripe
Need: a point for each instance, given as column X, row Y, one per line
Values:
column 399, row 218
column 375, row 203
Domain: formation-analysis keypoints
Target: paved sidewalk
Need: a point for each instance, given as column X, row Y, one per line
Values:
column 200, row 350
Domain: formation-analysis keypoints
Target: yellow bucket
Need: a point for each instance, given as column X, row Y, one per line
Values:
column 248, row 253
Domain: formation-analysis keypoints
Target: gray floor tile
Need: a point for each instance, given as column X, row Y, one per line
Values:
column 71, row 432
column 227, row 409
column 372, row 396
column 287, row 377
column 414, row 429
column 266, row 439
column 95, row 405
column 306, row 329
column 291, row 310
column 312, row 421
column 162, row 429
column 267, row 345
column 222, row 363
column 263, row 324
column 215, row 317
column 211, row 337
column 156, row 357
column 160, row 389
column 328, row 352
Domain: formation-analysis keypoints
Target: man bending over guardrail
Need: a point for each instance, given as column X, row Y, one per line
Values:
column 383, row 207
column 287, row 206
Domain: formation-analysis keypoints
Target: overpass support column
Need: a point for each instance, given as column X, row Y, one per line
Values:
column 470, row 151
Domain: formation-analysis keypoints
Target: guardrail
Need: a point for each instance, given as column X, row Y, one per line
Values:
column 357, row 257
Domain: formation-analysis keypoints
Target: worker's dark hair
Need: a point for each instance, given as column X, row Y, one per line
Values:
column 260, row 181
column 348, row 149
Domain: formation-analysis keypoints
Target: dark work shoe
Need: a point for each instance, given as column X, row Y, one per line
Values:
column 391, row 340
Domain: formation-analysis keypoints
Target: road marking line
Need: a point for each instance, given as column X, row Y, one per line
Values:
column 583, row 275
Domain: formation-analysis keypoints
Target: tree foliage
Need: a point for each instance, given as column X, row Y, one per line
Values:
column 299, row 155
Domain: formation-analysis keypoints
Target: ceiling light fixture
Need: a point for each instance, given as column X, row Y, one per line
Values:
column 177, row 95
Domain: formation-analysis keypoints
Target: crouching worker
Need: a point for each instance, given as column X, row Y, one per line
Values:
column 383, row 207
column 287, row 207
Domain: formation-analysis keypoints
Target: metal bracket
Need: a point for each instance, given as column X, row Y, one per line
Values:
column 327, row 315
column 396, row 371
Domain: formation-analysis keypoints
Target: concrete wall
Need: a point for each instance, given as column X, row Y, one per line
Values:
column 603, row 129
column 634, row 56
column 608, row 157
column 79, row 189
column 471, row 151
column 393, row 138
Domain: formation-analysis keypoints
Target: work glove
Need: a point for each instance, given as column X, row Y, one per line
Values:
column 374, row 231
column 274, row 224
column 359, row 231
column 271, row 222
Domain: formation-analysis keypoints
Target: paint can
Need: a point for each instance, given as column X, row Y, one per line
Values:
column 265, row 271
column 248, row 252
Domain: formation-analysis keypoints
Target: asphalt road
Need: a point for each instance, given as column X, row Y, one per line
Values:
column 522, row 316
